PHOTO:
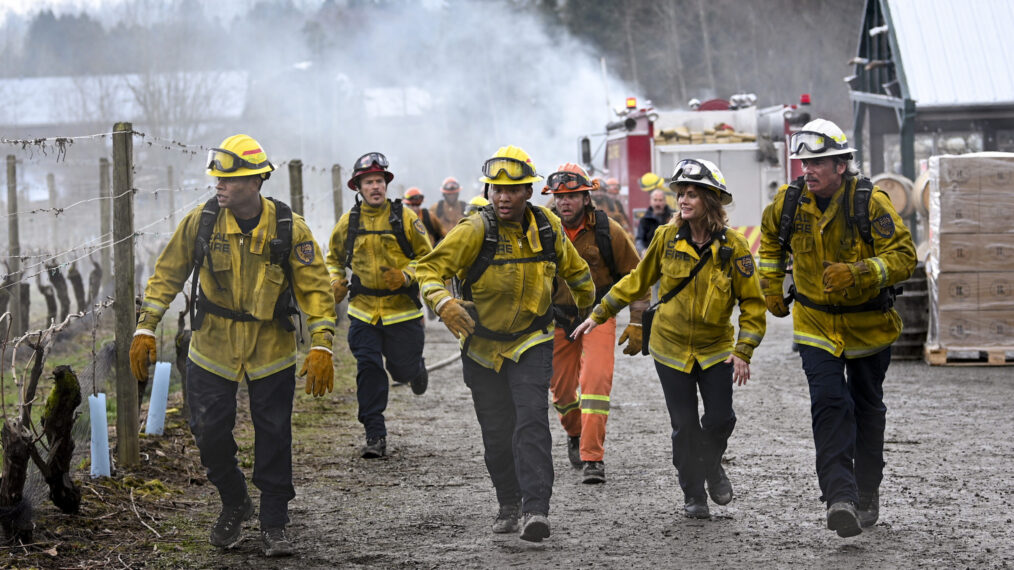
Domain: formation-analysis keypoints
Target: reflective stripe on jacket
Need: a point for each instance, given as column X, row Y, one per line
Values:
column 250, row 284
column 373, row 251
column 508, row 297
column 826, row 236
column 696, row 325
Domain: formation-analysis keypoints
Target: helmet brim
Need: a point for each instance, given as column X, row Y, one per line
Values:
column 804, row 153
column 354, row 181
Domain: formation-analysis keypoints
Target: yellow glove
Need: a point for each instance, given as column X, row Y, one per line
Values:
column 339, row 288
column 633, row 334
column 776, row 305
column 142, row 355
column 837, row 277
column 394, row 278
column 319, row 371
column 454, row 314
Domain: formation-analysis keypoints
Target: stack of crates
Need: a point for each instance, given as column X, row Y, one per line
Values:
column 971, row 263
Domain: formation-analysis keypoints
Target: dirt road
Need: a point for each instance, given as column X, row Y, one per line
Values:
column 947, row 495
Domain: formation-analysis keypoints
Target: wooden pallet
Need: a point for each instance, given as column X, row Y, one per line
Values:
column 993, row 356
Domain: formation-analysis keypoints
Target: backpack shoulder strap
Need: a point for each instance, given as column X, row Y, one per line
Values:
column 351, row 233
column 397, row 221
column 547, row 237
column 604, row 241
column 202, row 252
column 786, row 222
column 486, row 252
column 281, row 246
column 861, row 208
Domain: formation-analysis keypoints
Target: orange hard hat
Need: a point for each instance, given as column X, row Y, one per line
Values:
column 570, row 178
column 414, row 195
column 450, row 186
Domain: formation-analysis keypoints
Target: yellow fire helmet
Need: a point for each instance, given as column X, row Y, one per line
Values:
column 651, row 181
column 510, row 165
column 475, row 203
column 239, row 155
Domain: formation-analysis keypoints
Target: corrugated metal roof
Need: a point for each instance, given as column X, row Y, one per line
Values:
column 955, row 52
column 49, row 101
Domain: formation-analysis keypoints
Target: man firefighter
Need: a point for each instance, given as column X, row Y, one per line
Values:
column 849, row 247
column 650, row 182
column 252, row 256
column 379, row 241
column 414, row 198
column 449, row 210
column 506, row 257
column 611, row 203
column 587, row 363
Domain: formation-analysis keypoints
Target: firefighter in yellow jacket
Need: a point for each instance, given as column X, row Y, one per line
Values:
column 705, row 268
column 587, row 363
column 507, row 256
column 255, row 257
column 379, row 240
column 849, row 247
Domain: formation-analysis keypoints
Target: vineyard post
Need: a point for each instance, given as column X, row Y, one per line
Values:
column 20, row 320
column 128, row 446
column 105, row 219
column 296, row 185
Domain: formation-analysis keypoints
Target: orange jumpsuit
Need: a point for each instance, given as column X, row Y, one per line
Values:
column 587, row 363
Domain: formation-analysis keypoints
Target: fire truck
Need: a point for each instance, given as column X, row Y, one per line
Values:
column 746, row 142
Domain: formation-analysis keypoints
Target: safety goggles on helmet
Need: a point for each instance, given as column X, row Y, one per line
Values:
column 689, row 168
column 451, row 187
column 510, row 167
column 367, row 161
column 569, row 180
column 222, row 160
column 815, row 142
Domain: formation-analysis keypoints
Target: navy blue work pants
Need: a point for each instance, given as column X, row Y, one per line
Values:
column 212, row 402
column 849, row 415
column 401, row 345
column 698, row 443
column 512, row 407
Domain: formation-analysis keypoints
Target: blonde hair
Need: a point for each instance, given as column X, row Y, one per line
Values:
column 715, row 217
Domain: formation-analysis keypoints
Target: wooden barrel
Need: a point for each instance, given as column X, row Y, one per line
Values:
column 913, row 307
column 920, row 193
column 899, row 189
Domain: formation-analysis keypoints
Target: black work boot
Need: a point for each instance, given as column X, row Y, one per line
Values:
column 594, row 472
column 719, row 486
column 574, row 450
column 696, row 507
column 843, row 518
column 507, row 519
column 375, row 447
column 869, row 508
column 420, row 382
column 276, row 543
column 228, row 528
column 536, row 527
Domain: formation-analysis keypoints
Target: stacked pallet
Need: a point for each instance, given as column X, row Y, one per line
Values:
column 971, row 263
column 720, row 133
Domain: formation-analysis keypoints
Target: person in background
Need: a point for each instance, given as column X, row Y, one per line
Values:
column 386, row 329
column 449, row 210
column 414, row 198
column 844, row 321
column 258, row 256
column 658, row 214
column 611, row 203
column 705, row 269
column 587, row 363
column 506, row 257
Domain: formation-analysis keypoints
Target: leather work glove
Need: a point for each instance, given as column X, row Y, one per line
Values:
column 633, row 335
column 142, row 355
column 394, row 278
column 837, row 277
column 339, row 288
column 776, row 305
column 319, row 371
column 454, row 314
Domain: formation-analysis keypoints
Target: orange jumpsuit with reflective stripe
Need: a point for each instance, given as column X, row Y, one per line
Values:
column 587, row 363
